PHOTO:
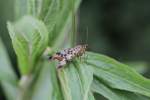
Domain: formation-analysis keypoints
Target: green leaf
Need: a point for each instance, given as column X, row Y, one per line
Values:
column 29, row 38
column 75, row 81
column 113, row 94
column 6, row 72
column 25, row 7
column 46, row 87
column 8, row 78
column 64, row 18
column 139, row 66
column 86, row 76
column 11, row 90
column 91, row 97
column 117, row 75
column 20, row 8
column 57, row 16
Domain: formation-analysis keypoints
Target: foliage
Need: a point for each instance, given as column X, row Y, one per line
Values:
column 45, row 23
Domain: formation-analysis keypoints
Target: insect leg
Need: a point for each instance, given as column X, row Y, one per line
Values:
column 80, row 58
column 86, row 57
column 61, row 63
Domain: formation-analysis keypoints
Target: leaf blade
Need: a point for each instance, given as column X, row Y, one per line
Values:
column 6, row 72
column 75, row 84
column 29, row 38
column 47, row 81
column 117, row 75
column 8, row 78
column 112, row 94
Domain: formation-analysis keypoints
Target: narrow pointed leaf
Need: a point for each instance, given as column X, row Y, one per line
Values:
column 8, row 79
column 6, row 71
column 10, row 90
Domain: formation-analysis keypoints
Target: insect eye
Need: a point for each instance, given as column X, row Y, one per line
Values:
column 58, row 53
column 50, row 57
column 85, row 46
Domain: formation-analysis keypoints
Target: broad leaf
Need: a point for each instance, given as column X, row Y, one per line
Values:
column 113, row 94
column 117, row 75
column 8, row 78
column 75, row 82
column 29, row 38
column 46, row 86
column 56, row 14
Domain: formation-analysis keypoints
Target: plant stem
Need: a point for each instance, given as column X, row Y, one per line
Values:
column 24, row 84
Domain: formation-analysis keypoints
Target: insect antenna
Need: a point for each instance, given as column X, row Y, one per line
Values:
column 87, row 35
column 85, row 39
column 74, row 25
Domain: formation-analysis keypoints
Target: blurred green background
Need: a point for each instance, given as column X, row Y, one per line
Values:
column 117, row 28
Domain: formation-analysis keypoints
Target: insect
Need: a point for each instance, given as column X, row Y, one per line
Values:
column 67, row 55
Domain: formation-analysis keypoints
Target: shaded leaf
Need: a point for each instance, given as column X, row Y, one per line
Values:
column 29, row 38
column 64, row 19
column 46, row 86
column 6, row 72
column 57, row 16
column 91, row 97
column 112, row 94
column 11, row 90
column 118, row 75
column 8, row 78
column 25, row 7
column 20, row 8
column 139, row 66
